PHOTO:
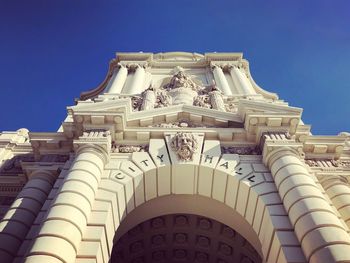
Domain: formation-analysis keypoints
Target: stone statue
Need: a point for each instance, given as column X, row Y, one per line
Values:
column 149, row 99
column 180, row 90
column 180, row 80
column 216, row 100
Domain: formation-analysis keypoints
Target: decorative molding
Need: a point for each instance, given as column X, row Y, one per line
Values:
column 96, row 140
column 241, row 150
column 182, row 123
column 128, row 148
column 181, row 89
column 326, row 163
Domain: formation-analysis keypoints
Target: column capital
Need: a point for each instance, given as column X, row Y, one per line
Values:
column 335, row 179
column 278, row 144
column 33, row 170
column 133, row 66
column 231, row 66
column 121, row 65
column 215, row 65
column 95, row 141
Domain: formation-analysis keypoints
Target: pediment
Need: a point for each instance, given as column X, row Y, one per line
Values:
column 177, row 113
column 184, row 116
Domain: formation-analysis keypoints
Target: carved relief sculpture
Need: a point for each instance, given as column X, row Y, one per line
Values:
column 185, row 145
column 181, row 89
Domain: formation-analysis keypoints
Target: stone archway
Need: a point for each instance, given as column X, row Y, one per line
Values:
column 245, row 187
column 183, row 228
column 111, row 195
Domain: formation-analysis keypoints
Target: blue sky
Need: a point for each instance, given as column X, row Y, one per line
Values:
column 50, row 51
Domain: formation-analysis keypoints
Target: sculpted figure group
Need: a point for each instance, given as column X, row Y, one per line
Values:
column 181, row 89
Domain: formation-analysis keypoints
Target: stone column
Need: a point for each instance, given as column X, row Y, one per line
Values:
column 220, row 80
column 118, row 80
column 61, row 231
column 216, row 100
column 19, row 218
column 338, row 190
column 241, row 80
column 137, row 85
column 318, row 229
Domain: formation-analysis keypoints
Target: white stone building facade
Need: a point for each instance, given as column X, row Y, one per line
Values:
column 176, row 157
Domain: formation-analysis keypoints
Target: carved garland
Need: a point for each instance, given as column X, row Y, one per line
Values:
column 327, row 163
column 128, row 148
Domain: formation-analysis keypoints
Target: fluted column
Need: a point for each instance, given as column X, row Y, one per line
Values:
column 221, row 80
column 119, row 79
column 137, row 85
column 61, row 231
column 338, row 190
column 241, row 81
column 318, row 229
column 19, row 218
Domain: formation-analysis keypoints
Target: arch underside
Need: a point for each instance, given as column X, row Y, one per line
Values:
column 183, row 238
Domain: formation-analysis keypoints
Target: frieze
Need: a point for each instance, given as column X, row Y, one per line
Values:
column 345, row 163
column 13, row 167
column 95, row 134
column 128, row 148
column 183, row 123
column 327, row 163
column 241, row 150
column 202, row 101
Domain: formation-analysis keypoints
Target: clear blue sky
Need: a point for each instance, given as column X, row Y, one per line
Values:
column 50, row 51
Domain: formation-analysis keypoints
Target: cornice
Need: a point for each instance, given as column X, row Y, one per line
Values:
column 229, row 56
column 326, row 147
column 50, row 143
column 321, row 153
column 133, row 56
column 117, row 117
